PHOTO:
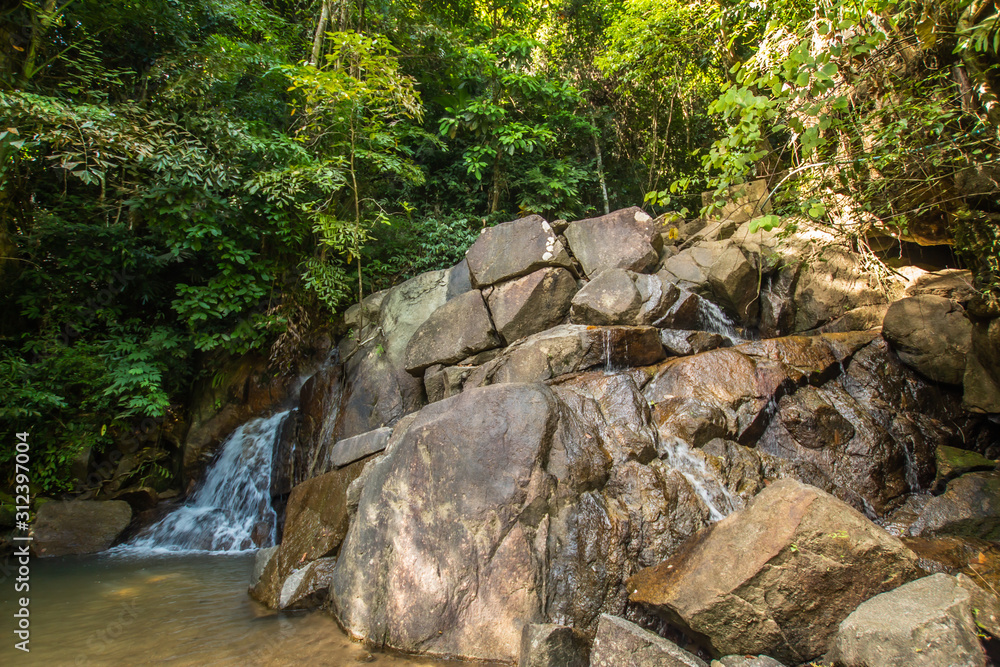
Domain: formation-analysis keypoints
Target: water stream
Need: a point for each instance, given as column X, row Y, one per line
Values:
column 715, row 320
column 704, row 480
column 231, row 511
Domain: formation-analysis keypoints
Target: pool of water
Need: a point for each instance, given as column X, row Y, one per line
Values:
column 177, row 610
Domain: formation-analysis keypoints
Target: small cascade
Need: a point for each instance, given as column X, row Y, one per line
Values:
column 705, row 481
column 609, row 367
column 231, row 511
column 715, row 320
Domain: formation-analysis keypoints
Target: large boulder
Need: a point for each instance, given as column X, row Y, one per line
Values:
column 514, row 249
column 551, row 645
column 982, row 373
column 611, row 297
column 532, row 303
column 798, row 561
column 620, row 643
column 925, row 623
column 619, row 240
column 459, row 328
column 954, row 284
column 78, row 527
column 734, row 282
column 569, row 348
column 315, row 524
column 931, row 334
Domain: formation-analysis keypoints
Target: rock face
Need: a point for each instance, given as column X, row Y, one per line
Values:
column 623, row 644
column 530, row 304
column 459, row 328
column 925, row 623
column 570, row 348
column 798, row 561
column 359, row 446
column 619, row 240
column 78, row 527
column 930, row 334
column 514, row 249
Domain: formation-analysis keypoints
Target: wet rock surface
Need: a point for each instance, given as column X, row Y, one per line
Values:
column 551, row 645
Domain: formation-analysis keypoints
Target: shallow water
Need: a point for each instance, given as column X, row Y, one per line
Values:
column 177, row 610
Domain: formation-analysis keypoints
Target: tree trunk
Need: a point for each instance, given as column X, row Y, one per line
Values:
column 317, row 49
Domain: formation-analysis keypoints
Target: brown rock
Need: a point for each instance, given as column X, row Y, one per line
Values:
column 514, row 249
column 533, row 303
column 457, row 329
column 619, row 240
column 79, row 526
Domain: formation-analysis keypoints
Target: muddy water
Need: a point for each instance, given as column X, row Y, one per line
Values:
column 177, row 610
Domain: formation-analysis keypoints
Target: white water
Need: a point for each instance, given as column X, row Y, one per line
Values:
column 704, row 480
column 714, row 320
column 232, row 503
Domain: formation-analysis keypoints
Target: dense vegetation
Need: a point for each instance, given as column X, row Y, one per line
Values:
column 183, row 180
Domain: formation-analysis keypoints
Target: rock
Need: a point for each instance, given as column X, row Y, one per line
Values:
column 734, row 282
column 357, row 447
column 657, row 297
column 685, row 272
column 315, row 524
column 619, row 240
column 862, row 318
column 532, row 303
column 139, row 498
column 260, row 561
column 685, row 313
column 444, row 381
column 982, row 372
column 985, row 605
column 514, row 249
column 740, row 203
column 620, row 643
column 969, row 507
column 306, row 588
column 459, row 280
column 551, row 645
column 812, row 421
column 798, row 561
column 365, row 312
column 78, row 527
column 746, row 661
column 609, row 298
column 954, row 284
column 953, row 462
column 684, row 342
column 570, row 348
column 931, row 334
column 925, row 623
column 693, row 421
column 457, row 329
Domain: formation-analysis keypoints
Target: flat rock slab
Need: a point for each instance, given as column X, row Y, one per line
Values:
column 353, row 449
column 619, row 240
column 925, row 623
column 532, row 303
column 459, row 328
column 569, row 348
column 620, row 643
column 797, row 562
column 514, row 249
column 79, row 526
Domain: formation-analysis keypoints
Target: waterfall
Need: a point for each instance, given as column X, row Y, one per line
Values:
column 714, row 320
column 231, row 511
column 717, row 497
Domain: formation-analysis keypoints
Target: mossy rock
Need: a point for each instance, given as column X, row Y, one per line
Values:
column 953, row 462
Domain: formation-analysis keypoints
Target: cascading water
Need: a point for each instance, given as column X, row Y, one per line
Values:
column 231, row 511
column 705, row 482
column 713, row 319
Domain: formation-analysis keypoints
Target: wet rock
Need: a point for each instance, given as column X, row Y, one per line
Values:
column 954, row 284
column 357, row 447
column 620, row 643
column 798, row 562
column 683, row 342
column 970, row 507
column 747, row 471
column 570, row 348
column 734, row 283
column 260, row 561
column 684, row 313
column 863, row 318
column 315, row 525
column 306, row 587
column 812, row 421
column 611, row 297
column 953, row 462
column 925, row 623
column 931, row 334
column 693, row 421
column 139, row 498
column 457, row 329
column 550, row 645
column 532, row 303
column 514, row 249
column 620, row 240
column 982, row 373
column 76, row 527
